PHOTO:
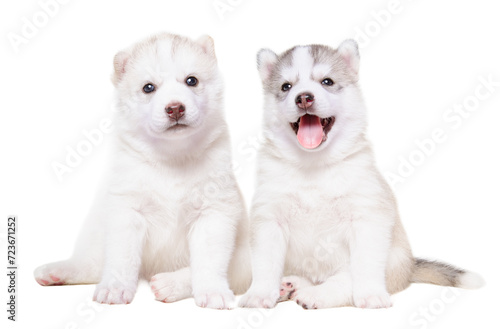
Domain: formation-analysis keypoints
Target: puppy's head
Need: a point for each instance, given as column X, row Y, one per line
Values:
column 168, row 86
column 312, row 99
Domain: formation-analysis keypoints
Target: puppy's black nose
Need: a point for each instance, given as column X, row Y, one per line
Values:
column 304, row 101
column 175, row 110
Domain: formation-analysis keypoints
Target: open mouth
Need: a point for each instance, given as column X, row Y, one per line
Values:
column 312, row 130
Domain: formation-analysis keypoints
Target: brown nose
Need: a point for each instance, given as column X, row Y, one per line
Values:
column 304, row 101
column 175, row 110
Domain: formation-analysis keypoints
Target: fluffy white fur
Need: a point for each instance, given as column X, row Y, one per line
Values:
column 170, row 210
column 324, row 223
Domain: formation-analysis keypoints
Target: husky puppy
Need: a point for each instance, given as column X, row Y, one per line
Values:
column 322, row 214
column 170, row 210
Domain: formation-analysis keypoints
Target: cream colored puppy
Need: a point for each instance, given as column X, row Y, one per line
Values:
column 322, row 214
column 170, row 206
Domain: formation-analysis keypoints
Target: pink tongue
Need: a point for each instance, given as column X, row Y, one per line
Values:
column 310, row 133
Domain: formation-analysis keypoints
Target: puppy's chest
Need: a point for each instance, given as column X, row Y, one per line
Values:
column 168, row 216
column 167, row 205
column 317, row 204
column 313, row 209
column 319, row 222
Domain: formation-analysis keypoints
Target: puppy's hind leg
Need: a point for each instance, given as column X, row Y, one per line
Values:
column 336, row 291
column 170, row 287
column 84, row 267
column 290, row 285
column 68, row 272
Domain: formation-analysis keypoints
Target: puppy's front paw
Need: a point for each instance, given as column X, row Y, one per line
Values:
column 259, row 298
column 114, row 292
column 375, row 300
column 217, row 300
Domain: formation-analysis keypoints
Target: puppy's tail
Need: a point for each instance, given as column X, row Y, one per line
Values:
column 426, row 271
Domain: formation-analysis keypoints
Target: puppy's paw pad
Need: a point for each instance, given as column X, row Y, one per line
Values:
column 290, row 285
column 50, row 275
column 287, row 291
column 42, row 282
column 382, row 300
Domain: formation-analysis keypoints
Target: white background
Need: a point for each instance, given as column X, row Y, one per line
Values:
column 428, row 57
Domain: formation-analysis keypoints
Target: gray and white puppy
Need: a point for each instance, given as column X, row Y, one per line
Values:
column 325, row 226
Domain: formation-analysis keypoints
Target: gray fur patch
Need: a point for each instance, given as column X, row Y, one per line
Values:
column 435, row 272
column 321, row 54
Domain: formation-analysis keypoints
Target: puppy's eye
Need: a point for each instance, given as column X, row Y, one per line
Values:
column 286, row 86
column 327, row 82
column 191, row 81
column 148, row 88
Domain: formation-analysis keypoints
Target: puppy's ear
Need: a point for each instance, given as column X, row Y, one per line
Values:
column 120, row 64
column 350, row 53
column 207, row 44
column 266, row 59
